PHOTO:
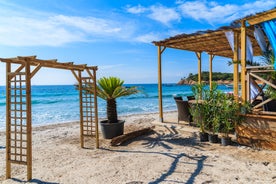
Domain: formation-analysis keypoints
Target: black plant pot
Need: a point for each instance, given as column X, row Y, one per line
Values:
column 225, row 141
column 213, row 138
column 203, row 136
column 110, row 130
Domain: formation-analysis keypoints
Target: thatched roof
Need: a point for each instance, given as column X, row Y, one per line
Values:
column 214, row 41
column 210, row 41
column 259, row 17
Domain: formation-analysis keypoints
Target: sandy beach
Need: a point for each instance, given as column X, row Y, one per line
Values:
column 171, row 154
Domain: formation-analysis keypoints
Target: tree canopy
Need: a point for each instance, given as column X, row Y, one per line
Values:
column 215, row 77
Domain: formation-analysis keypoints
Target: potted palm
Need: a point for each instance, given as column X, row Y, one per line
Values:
column 109, row 89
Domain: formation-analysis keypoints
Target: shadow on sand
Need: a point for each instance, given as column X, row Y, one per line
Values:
column 164, row 140
column 37, row 181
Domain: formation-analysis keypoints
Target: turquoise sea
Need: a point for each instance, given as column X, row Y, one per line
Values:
column 60, row 103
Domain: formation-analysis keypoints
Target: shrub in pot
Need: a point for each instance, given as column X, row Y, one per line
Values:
column 197, row 111
column 212, row 110
column 109, row 89
column 229, row 117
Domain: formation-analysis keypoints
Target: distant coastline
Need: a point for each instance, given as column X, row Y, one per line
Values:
column 218, row 77
column 192, row 82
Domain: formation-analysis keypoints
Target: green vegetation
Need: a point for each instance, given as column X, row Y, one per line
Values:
column 109, row 89
column 205, row 76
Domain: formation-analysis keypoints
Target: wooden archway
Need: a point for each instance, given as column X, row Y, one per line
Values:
column 19, row 106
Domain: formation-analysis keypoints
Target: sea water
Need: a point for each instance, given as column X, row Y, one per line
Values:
column 60, row 103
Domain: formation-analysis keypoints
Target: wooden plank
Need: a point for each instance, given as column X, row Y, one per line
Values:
column 126, row 137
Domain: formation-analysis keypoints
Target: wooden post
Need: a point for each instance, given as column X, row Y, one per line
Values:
column 81, row 110
column 160, row 51
column 8, row 123
column 211, row 57
column 243, row 60
column 236, row 66
column 198, row 54
column 96, row 107
column 29, row 120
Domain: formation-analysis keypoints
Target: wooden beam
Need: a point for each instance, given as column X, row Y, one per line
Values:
column 211, row 57
column 81, row 110
column 198, row 55
column 262, row 103
column 45, row 63
column 261, row 79
column 35, row 70
column 236, row 66
column 17, row 70
column 243, row 61
column 268, row 116
column 75, row 75
column 261, row 17
column 29, row 120
column 160, row 51
column 96, row 108
column 8, row 121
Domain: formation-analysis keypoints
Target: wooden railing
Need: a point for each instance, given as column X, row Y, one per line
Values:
column 258, row 79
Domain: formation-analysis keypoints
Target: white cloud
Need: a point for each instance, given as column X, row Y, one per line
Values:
column 163, row 14
column 87, row 24
column 212, row 12
column 33, row 28
column 136, row 9
column 147, row 38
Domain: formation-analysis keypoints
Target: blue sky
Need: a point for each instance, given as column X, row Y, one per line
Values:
column 114, row 35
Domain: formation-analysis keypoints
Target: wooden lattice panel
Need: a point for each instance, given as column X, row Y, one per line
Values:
column 88, row 110
column 18, row 119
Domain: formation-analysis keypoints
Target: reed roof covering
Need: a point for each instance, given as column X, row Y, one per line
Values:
column 259, row 17
column 211, row 41
column 214, row 41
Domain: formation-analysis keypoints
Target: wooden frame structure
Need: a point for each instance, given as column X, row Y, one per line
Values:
column 215, row 43
column 19, row 106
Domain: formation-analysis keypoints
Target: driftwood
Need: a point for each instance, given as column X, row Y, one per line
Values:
column 123, row 138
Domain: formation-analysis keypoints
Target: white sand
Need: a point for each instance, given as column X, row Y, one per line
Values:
column 172, row 154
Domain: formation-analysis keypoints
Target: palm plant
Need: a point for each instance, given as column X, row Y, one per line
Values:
column 109, row 89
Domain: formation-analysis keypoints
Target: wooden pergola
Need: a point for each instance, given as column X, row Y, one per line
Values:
column 215, row 43
column 19, row 72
